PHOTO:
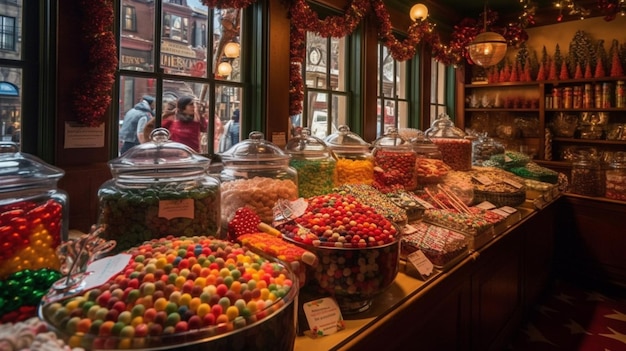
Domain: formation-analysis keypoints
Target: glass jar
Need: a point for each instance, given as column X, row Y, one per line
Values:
column 587, row 177
column 159, row 188
column 257, row 175
column 616, row 177
column 314, row 163
column 483, row 148
column 355, row 164
column 33, row 212
column 425, row 148
column 454, row 144
column 394, row 162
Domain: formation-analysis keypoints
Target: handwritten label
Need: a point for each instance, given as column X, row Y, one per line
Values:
column 513, row 183
column 183, row 208
column 421, row 263
column 323, row 316
column 486, row 205
column 508, row 209
column 484, row 180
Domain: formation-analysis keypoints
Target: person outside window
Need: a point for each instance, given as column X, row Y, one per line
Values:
column 230, row 136
column 131, row 132
column 188, row 124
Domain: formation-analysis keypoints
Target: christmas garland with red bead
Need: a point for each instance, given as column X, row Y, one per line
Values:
column 92, row 97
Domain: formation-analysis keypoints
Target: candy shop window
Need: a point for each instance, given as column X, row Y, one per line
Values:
column 392, row 92
column 439, row 88
column 325, row 106
column 185, row 50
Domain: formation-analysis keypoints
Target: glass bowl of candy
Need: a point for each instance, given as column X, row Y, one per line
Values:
column 183, row 293
column 358, row 249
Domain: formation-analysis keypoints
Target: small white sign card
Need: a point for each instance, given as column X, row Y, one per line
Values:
column 323, row 316
column 421, row 263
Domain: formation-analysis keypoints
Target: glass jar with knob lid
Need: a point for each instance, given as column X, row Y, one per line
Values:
column 314, row 162
column 33, row 212
column 616, row 177
column 256, row 174
column 587, row 175
column 159, row 188
column 454, row 144
column 483, row 147
column 394, row 162
column 355, row 164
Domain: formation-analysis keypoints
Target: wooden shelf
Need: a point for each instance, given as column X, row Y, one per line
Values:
column 498, row 109
column 590, row 141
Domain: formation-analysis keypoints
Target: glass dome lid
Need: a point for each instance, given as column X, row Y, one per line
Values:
column 159, row 158
column 254, row 151
column 443, row 127
column 19, row 170
column 392, row 139
column 304, row 144
column 345, row 140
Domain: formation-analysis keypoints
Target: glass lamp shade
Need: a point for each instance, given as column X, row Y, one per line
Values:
column 418, row 12
column 224, row 69
column 487, row 49
column 231, row 50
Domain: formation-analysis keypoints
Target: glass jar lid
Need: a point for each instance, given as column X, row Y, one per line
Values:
column 443, row 127
column 159, row 158
column 346, row 141
column 20, row 170
column 619, row 160
column 392, row 139
column 254, row 151
column 305, row 145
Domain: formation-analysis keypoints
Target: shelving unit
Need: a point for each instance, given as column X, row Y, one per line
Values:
column 534, row 103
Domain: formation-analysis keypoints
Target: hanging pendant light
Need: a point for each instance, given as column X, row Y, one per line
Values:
column 488, row 48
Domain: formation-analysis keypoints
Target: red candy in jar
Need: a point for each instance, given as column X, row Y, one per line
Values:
column 394, row 163
column 32, row 212
column 455, row 146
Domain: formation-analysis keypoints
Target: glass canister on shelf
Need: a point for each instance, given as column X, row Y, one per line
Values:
column 314, row 162
column 616, row 177
column 425, row 148
column 33, row 212
column 159, row 188
column 257, row 175
column 454, row 144
column 483, row 147
column 587, row 176
column 394, row 162
column 355, row 164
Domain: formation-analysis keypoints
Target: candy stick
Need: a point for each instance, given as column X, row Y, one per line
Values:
column 441, row 204
column 454, row 199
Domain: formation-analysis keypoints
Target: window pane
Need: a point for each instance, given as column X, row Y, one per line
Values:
column 315, row 67
column 10, row 104
column 10, row 30
column 137, row 36
column 226, row 38
column 228, row 112
column 338, row 63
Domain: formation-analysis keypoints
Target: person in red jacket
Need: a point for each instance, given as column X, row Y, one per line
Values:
column 188, row 124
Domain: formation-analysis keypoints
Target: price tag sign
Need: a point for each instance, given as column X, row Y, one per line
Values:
column 183, row 208
column 323, row 316
column 421, row 263
column 516, row 185
column 486, row 205
column 483, row 179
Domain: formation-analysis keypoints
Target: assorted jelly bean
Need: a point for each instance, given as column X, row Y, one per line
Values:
column 315, row 177
column 395, row 168
column 456, row 153
column 174, row 290
column 355, row 171
column 21, row 292
column 30, row 232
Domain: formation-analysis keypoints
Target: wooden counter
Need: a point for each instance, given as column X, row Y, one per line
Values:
column 475, row 305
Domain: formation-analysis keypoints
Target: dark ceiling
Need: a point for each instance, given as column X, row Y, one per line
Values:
column 543, row 12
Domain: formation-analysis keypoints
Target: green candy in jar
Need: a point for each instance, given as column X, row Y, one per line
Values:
column 314, row 162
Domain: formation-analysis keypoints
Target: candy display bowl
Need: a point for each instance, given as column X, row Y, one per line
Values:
column 189, row 293
column 357, row 248
column 354, row 276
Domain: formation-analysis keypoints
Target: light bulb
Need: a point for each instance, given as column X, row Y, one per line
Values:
column 224, row 69
column 231, row 50
column 418, row 12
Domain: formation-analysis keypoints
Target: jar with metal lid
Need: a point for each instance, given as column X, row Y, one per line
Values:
column 587, row 176
column 257, row 175
column 314, row 162
column 483, row 147
column 454, row 144
column 159, row 188
column 616, row 177
column 33, row 212
column 355, row 164
column 394, row 162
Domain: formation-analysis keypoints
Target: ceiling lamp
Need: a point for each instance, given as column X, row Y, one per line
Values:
column 224, row 69
column 418, row 12
column 231, row 50
column 488, row 48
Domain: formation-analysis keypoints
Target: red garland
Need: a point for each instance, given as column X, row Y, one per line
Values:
column 93, row 94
